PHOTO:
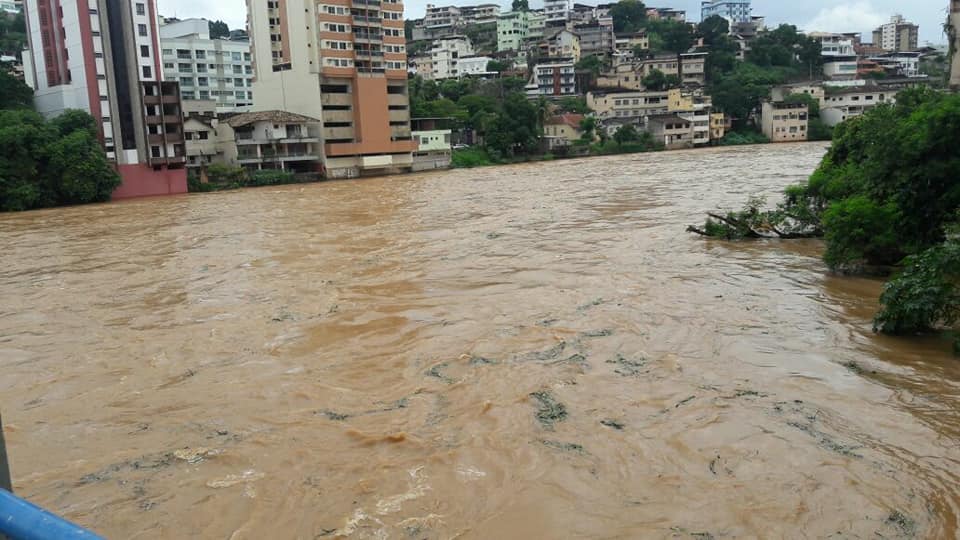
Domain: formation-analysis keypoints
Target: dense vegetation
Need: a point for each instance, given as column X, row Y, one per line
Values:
column 224, row 177
column 886, row 195
column 13, row 33
column 48, row 163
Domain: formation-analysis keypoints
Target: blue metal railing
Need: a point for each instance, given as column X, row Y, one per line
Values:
column 21, row 520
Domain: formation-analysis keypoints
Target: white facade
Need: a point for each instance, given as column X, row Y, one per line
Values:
column 738, row 11
column 553, row 79
column 446, row 54
column 11, row 6
column 556, row 11
column 849, row 103
column 474, row 66
column 897, row 35
column 840, row 68
column 207, row 69
column 907, row 62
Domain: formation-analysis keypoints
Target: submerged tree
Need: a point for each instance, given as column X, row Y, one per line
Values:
column 887, row 189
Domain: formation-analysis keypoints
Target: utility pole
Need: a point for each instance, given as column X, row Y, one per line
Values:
column 953, row 33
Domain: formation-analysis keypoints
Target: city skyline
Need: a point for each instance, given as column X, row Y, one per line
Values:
column 814, row 15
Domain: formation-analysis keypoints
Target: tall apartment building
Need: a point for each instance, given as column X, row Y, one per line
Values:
column 515, row 27
column 955, row 25
column 897, row 35
column 737, row 11
column 102, row 56
column 344, row 63
column 556, row 12
column 445, row 56
column 218, row 70
column 553, row 79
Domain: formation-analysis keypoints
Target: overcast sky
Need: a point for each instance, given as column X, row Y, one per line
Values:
column 810, row 15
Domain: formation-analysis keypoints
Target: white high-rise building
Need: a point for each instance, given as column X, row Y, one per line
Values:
column 102, row 57
column 736, row 11
column 218, row 70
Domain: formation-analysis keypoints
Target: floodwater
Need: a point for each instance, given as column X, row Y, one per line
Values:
column 533, row 351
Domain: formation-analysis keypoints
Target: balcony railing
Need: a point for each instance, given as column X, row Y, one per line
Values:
column 367, row 20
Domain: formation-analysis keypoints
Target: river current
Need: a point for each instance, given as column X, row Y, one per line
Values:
column 530, row 351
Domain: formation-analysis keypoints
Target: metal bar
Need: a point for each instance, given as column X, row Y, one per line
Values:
column 21, row 520
column 5, row 479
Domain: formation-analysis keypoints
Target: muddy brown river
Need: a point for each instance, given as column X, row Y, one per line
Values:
column 533, row 351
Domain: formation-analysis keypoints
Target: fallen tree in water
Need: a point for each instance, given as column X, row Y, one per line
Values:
column 753, row 222
column 887, row 194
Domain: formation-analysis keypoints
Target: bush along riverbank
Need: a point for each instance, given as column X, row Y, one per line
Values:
column 886, row 196
column 223, row 177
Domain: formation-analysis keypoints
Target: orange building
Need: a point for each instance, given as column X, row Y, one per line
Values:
column 343, row 62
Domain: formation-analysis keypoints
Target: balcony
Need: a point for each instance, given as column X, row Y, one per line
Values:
column 375, row 3
column 152, row 100
column 367, row 38
column 361, row 19
column 362, row 52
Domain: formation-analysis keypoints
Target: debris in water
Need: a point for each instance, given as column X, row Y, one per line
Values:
column 564, row 447
column 613, row 424
column 627, row 367
column 436, row 372
column 493, row 235
column 550, row 411
column 196, row 455
column 906, row 525
column 749, row 393
column 598, row 333
column 481, row 361
column 684, row 402
column 335, row 416
column 591, row 304
column 233, row 479
column 550, row 354
column 548, row 322
column 418, row 488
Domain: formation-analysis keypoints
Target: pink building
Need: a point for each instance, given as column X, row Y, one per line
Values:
column 103, row 57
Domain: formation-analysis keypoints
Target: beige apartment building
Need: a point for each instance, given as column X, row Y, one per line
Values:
column 784, row 122
column 344, row 63
column 626, row 104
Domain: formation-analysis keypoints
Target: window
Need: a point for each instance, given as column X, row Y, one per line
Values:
column 235, row 56
column 144, row 51
column 142, row 30
column 141, row 9
column 238, row 83
column 147, row 72
column 202, row 81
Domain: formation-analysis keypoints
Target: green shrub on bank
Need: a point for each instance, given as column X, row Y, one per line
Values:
column 736, row 138
column 224, row 177
column 469, row 158
column 55, row 163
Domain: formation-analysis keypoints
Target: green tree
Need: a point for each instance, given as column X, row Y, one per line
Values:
column 925, row 295
column 14, row 94
column 498, row 66
column 75, row 120
column 658, row 82
column 575, row 105
column 589, row 128
column 591, row 63
column 13, row 33
column 219, row 29
column 628, row 15
column 24, row 138
column 517, row 130
column 82, row 173
column 520, row 5
column 738, row 93
column 408, row 26
column 713, row 29
column 626, row 133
